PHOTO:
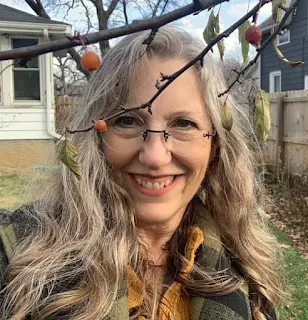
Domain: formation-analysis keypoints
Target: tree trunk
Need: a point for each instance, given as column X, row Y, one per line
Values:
column 102, row 17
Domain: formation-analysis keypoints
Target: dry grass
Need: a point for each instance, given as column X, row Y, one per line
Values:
column 14, row 188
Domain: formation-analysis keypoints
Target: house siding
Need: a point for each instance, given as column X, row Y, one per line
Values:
column 21, row 120
column 297, row 49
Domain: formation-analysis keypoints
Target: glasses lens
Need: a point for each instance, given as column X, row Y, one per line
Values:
column 184, row 130
column 186, row 137
column 124, row 133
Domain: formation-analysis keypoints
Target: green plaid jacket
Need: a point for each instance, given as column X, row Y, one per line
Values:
column 235, row 306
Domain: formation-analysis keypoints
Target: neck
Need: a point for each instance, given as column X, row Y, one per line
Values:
column 153, row 238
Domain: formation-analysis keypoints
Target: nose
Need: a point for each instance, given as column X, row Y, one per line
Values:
column 154, row 152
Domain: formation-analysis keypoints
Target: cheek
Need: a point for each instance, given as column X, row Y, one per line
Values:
column 197, row 165
column 201, row 159
column 117, row 159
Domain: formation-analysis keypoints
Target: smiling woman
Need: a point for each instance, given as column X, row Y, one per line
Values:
column 166, row 222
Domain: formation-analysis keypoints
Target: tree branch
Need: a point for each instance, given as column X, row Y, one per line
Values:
column 265, row 44
column 38, row 8
column 156, row 8
column 94, row 37
column 89, row 23
column 111, row 7
column 125, row 11
column 170, row 78
column 164, row 7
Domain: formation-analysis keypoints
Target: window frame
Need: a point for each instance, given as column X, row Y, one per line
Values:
column 306, row 82
column 26, row 102
column 272, row 76
column 285, row 42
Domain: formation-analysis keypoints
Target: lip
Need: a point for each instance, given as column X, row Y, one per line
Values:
column 153, row 192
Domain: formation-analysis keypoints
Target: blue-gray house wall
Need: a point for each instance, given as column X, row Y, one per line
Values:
column 297, row 49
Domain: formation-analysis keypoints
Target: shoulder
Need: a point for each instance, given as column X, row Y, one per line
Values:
column 17, row 223
column 14, row 227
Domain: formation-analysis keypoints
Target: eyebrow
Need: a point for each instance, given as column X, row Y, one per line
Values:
column 173, row 114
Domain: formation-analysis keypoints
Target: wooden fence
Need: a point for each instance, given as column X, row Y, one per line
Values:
column 287, row 142
column 64, row 104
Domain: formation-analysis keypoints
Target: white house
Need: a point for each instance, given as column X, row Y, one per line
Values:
column 27, row 89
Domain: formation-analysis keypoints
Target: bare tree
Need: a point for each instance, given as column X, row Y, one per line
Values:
column 243, row 91
column 67, row 80
column 99, row 15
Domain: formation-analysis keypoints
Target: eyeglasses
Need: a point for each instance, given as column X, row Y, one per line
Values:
column 128, row 132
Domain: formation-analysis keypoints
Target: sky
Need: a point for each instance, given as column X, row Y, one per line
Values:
column 229, row 12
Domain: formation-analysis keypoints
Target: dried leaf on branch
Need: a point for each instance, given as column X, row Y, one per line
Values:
column 241, row 38
column 276, row 9
column 67, row 155
column 212, row 30
column 292, row 64
column 226, row 117
column 262, row 115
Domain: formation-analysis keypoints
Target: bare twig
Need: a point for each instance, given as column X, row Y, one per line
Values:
column 69, row 7
column 38, row 8
column 10, row 65
column 150, row 38
column 88, row 15
column 164, row 7
column 156, row 8
column 170, row 78
column 125, row 11
column 94, row 37
column 266, row 42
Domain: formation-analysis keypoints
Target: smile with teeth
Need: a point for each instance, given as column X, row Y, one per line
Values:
column 148, row 184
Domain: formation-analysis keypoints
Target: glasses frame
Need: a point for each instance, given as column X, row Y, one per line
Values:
column 167, row 134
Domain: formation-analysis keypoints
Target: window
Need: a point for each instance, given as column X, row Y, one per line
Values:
column 275, row 81
column 306, row 83
column 283, row 38
column 26, row 73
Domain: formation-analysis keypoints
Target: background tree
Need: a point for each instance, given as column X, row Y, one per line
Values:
column 97, row 15
column 243, row 91
column 212, row 35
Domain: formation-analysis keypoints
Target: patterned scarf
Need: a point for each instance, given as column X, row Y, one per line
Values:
column 203, row 247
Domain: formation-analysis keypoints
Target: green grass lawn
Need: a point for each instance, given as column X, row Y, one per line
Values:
column 13, row 187
column 296, row 275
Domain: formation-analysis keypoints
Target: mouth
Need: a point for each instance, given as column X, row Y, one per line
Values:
column 154, row 185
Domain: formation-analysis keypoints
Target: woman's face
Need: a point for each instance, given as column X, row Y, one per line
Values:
column 163, row 176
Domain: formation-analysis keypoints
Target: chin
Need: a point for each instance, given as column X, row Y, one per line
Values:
column 158, row 213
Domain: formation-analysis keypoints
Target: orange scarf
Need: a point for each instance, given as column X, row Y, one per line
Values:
column 175, row 303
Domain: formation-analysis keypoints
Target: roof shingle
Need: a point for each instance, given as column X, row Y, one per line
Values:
column 13, row 15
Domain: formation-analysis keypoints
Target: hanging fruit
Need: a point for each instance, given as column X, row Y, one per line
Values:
column 90, row 61
column 253, row 35
column 100, row 125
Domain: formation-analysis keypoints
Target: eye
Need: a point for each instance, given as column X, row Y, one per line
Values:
column 184, row 123
column 126, row 121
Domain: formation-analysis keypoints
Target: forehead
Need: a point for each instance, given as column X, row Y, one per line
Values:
column 184, row 94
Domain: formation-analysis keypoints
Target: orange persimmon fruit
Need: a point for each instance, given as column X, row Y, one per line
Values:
column 100, row 125
column 90, row 61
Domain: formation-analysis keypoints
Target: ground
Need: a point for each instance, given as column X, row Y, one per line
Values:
column 288, row 209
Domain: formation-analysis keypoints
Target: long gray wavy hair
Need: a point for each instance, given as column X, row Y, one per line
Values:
column 86, row 234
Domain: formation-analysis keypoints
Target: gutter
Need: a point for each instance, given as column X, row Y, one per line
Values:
column 50, row 127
